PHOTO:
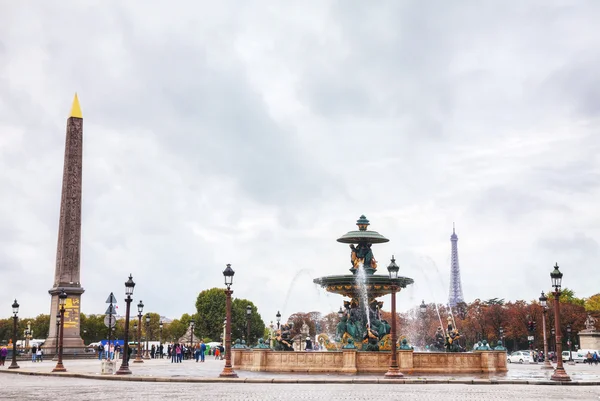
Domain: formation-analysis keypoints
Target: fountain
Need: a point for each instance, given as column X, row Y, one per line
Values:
column 362, row 341
column 361, row 320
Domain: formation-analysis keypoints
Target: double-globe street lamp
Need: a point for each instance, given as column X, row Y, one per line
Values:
column 552, row 335
column 192, row 326
column 15, row 310
column 124, row 369
column 160, row 328
column 147, row 353
column 394, row 370
column 228, row 370
column 544, row 304
column 248, row 316
column 62, row 300
column 570, row 345
column 423, row 311
column 559, row 373
column 138, row 354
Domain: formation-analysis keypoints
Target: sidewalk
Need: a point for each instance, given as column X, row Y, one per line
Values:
column 162, row 370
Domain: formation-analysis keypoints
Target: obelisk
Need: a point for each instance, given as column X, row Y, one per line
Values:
column 67, row 273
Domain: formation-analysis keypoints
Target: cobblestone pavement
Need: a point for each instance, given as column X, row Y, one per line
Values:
column 22, row 387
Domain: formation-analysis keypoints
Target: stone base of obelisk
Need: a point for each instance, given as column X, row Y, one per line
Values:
column 71, row 346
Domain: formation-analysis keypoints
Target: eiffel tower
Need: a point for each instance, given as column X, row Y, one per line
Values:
column 456, row 294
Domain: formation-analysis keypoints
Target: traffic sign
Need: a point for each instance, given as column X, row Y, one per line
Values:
column 111, row 310
column 110, row 321
column 111, row 299
column 530, row 338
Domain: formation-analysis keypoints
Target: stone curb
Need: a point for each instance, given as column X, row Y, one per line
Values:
column 162, row 379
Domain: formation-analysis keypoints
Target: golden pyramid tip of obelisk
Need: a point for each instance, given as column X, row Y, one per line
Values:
column 76, row 109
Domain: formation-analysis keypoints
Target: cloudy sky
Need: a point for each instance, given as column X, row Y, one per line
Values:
column 256, row 133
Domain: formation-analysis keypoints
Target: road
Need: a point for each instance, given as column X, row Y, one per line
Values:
column 22, row 387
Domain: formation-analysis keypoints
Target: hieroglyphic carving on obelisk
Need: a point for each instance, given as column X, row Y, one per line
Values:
column 67, row 272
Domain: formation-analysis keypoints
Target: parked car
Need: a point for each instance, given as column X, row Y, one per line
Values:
column 519, row 357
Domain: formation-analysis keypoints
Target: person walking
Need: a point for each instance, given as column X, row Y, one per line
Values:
column 117, row 351
column 39, row 354
column 202, row 350
column 33, row 353
column 3, row 353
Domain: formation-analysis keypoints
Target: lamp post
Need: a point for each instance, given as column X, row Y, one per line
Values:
column 501, row 334
column 192, row 325
column 124, row 369
column 15, row 310
column 138, row 354
column 228, row 370
column 278, row 317
column 62, row 300
column 147, row 327
column 57, row 331
column 570, row 345
column 248, row 316
column 160, row 327
column 559, row 373
column 393, row 371
column 552, row 333
column 423, row 311
column 544, row 304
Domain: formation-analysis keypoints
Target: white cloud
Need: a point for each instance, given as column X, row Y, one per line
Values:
column 256, row 135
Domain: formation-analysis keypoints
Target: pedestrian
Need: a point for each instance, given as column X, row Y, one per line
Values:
column 100, row 351
column 595, row 358
column 202, row 350
column 152, row 351
column 117, row 351
column 160, row 351
column 216, row 352
column 39, row 354
column 33, row 353
column 3, row 353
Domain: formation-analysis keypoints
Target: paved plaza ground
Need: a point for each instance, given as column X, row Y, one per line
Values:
column 286, row 386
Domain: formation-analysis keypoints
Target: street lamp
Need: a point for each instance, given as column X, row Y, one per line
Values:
column 570, row 344
column 278, row 316
column 501, row 333
column 160, row 327
column 62, row 300
column 341, row 313
column 124, row 369
column 15, row 310
column 394, row 371
column 552, row 333
column 559, row 373
column 248, row 316
column 192, row 325
column 423, row 311
column 146, row 354
column 228, row 370
column 138, row 355
column 544, row 304
column 57, row 332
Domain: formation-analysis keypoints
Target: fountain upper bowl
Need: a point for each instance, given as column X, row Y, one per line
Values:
column 376, row 285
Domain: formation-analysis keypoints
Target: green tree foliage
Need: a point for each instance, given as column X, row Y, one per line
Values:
column 568, row 296
column 210, row 306
column 240, row 321
column 592, row 304
column 92, row 328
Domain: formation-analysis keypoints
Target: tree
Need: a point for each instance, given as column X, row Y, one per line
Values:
column 240, row 322
column 210, row 307
column 592, row 304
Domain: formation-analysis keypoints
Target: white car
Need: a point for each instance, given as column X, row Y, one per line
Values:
column 519, row 357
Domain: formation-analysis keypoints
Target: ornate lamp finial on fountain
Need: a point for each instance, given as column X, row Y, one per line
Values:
column 362, row 223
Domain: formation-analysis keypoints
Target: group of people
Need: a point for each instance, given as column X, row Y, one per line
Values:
column 37, row 355
column 111, row 351
column 178, row 352
column 592, row 358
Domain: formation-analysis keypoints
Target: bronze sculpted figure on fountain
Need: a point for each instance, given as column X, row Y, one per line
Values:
column 283, row 338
